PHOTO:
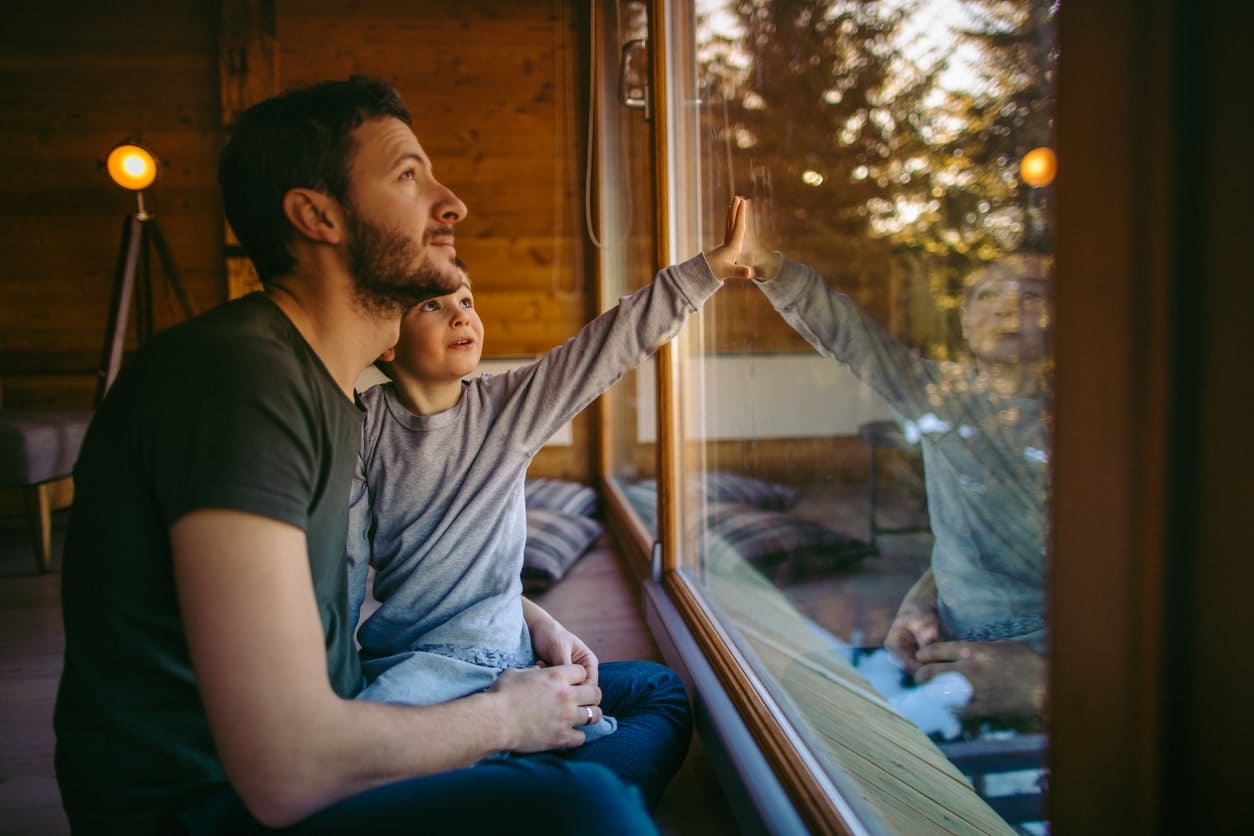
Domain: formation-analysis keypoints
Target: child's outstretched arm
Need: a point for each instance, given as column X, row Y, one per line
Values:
column 838, row 329
column 539, row 398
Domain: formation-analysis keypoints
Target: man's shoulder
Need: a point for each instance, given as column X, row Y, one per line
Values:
column 244, row 337
column 250, row 321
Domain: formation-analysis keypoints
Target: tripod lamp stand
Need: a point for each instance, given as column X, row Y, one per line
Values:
column 134, row 168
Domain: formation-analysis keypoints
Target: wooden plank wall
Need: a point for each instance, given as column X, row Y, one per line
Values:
column 497, row 88
column 75, row 79
column 497, row 91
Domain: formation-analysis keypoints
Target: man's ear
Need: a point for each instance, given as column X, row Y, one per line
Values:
column 314, row 215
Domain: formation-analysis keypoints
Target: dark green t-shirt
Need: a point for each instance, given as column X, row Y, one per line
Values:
column 232, row 410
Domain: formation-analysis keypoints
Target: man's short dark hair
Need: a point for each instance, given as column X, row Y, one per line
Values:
column 299, row 139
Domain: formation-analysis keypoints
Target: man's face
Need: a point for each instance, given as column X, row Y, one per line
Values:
column 1006, row 320
column 399, row 220
column 441, row 338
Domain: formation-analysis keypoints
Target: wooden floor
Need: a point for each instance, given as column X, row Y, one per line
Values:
column 31, row 643
column 595, row 600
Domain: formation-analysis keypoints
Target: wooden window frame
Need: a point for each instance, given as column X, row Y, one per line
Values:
column 1153, row 177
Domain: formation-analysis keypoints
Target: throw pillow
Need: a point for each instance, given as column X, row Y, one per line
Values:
column 555, row 540
column 728, row 486
column 643, row 499
column 773, row 541
column 561, row 495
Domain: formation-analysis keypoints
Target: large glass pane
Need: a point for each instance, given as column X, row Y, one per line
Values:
column 626, row 239
column 867, row 434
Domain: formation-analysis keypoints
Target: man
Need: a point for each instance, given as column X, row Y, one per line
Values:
column 210, row 667
column 980, row 608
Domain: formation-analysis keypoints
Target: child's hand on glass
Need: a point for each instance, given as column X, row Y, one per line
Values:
column 741, row 256
column 723, row 258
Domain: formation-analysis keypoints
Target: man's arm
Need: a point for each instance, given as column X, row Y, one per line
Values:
column 917, row 623
column 1007, row 677
column 289, row 745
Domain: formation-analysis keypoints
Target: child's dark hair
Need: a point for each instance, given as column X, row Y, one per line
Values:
column 299, row 139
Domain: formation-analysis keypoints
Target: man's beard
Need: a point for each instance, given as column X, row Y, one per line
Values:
column 382, row 262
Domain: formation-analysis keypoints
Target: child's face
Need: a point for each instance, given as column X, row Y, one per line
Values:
column 1006, row 320
column 442, row 338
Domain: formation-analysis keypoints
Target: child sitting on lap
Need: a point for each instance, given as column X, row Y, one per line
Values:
column 438, row 506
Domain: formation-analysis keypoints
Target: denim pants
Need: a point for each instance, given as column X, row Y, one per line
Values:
column 603, row 787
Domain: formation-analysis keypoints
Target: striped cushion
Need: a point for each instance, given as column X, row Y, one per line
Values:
column 772, row 540
column 643, row 499
column 764, row 537
column 727, row 486
column 554, row 542
column 561, row 495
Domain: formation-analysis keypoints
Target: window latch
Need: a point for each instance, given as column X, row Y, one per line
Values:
column 633, row 83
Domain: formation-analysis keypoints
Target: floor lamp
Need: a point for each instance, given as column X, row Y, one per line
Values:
column 134, row 168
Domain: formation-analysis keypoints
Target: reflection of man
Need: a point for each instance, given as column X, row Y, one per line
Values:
column 979, row 609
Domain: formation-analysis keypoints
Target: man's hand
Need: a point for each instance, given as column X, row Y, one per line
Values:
column 1008, row 678
column 542, row 706
column 916, row 626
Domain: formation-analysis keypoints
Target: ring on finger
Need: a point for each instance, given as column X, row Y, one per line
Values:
column 587, row 710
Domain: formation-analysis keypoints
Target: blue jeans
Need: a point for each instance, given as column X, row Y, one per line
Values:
column 603, row 787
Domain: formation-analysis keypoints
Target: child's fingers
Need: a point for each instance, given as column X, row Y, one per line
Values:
column 730, row 225
column 736, row 234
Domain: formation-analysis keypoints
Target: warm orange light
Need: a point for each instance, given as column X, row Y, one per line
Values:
column 1038, row 167
column 131, row 167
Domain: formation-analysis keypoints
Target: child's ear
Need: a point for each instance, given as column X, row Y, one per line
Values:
column 388, row 356
column 314, row 215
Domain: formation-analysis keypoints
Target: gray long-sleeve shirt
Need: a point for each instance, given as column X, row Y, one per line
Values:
column 985, row 458
column 439, row 504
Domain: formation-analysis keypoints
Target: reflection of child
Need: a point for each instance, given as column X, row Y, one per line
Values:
column 439, row 505
column 985, row 452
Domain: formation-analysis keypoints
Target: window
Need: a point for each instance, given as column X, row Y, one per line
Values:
column 872, row 433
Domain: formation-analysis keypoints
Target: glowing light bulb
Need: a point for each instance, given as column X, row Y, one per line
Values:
column 812, row 178
column 1038, row 167
column 131, row 167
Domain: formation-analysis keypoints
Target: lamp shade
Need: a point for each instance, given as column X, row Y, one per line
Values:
column 131, row 167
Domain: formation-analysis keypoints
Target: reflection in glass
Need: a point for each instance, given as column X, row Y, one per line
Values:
column 903, row 346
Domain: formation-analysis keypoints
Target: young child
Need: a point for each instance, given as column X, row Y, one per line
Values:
column 439, row 505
